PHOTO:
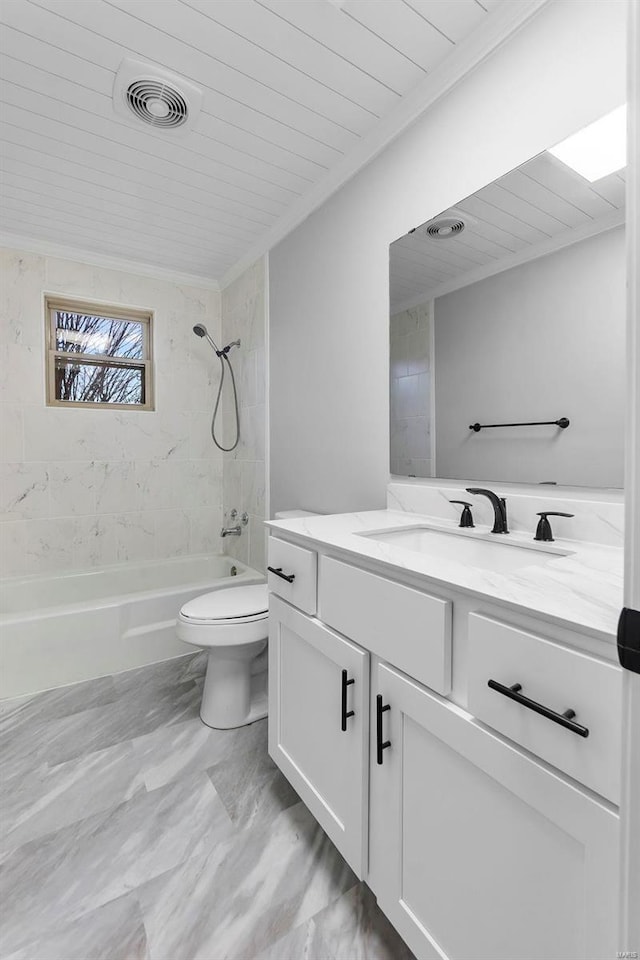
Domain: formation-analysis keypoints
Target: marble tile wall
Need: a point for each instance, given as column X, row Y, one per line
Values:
column 410, row 392
column 244, row 317
column 84, row 488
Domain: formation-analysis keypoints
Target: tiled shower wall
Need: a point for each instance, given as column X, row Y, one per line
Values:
column 244, row 317
column 410, row 391
column 81, row 488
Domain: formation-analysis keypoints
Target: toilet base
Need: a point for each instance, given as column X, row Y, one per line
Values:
column 232, row 695
column 259, row 710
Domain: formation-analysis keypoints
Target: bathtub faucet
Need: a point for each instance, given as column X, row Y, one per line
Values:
column 236, row 530
column 231, row 531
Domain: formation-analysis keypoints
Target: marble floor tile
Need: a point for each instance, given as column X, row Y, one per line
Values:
column 166, row 674
column 54, row 704
column 179, row 749
column 87, row 731
column 246, row 892
column 354, row 928
column 114, row 931
column 237, row 762
column 247, row 780
column 351, row 928
column 302, row 943
column 135, row 832
column 54, row 797
column 62, row 876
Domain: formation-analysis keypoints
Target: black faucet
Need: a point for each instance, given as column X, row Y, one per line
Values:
column 499, row 505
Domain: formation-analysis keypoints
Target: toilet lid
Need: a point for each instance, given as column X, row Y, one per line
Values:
column 233, row 603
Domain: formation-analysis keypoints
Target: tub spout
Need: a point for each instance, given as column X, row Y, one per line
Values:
column 231, row 531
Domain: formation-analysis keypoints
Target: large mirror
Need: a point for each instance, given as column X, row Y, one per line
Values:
column 507, row 332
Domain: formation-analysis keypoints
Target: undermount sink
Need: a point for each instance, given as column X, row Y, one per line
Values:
column 498, row 555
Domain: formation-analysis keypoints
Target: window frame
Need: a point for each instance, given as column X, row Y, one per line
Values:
column 53, row 303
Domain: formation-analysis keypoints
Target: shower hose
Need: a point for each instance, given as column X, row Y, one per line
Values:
column 222, row 356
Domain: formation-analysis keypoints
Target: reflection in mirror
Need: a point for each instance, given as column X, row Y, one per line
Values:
column 508, row 315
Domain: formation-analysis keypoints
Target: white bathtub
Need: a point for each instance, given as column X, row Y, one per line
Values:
column 56, row 630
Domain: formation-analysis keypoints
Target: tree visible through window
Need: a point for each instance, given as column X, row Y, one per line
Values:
column 98, row 356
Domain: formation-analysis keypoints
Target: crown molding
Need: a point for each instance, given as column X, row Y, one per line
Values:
column 536, row 250
column 497, row 29
column 48, row 248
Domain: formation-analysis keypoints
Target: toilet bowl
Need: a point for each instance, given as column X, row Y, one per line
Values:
column 232, row 626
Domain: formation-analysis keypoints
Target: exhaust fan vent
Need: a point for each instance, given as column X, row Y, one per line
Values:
column 444, row 228
column 145, row 93
column 157, row 103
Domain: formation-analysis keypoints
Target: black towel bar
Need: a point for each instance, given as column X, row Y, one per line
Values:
column 563, row 423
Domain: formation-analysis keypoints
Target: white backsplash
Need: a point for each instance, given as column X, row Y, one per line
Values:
column 598, row 517
column 81, row 488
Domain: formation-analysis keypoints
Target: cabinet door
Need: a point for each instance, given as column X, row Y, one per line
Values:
column 319, row 723
column 478, row 851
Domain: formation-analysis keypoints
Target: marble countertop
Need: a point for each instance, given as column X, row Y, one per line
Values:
column 581, row 591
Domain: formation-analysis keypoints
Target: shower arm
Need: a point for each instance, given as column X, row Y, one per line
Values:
column 225, row 350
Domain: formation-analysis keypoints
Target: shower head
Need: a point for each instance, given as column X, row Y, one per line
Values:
column 201, row 331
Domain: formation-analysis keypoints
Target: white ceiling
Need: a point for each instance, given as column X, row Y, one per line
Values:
column 533, row 210
column 291, row 87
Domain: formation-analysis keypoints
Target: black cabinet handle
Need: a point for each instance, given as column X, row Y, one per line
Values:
column 345, row 714
column 289, row 577
column 564, row 719
column 380, row 743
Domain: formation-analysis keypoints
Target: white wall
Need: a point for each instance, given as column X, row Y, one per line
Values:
column 540, row 341
column 80, row 488
column 244, row 318
column 329, row 300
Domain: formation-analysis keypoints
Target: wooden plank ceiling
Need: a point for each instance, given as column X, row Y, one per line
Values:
column 541, row 204
column 289, row 88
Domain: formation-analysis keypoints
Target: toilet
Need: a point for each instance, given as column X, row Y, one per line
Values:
column 232, row 626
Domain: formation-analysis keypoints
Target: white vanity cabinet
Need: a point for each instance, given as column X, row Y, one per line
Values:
column 319, row 723
column 477, row 850
column 486, row 828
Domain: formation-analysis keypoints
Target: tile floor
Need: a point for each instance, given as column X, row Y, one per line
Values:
column 130, row 830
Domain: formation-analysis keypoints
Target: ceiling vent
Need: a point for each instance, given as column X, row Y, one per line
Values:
column 144, row 93
column 444, row 228
column 447, row 225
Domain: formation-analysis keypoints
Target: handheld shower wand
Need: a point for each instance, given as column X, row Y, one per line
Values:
column 201, row 331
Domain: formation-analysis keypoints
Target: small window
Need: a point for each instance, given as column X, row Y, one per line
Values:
column 98, row 356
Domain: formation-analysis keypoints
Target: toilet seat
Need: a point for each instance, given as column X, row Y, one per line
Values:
column 231, row 605
column 227, row 618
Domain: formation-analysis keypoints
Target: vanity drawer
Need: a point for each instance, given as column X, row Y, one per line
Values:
column 410, row 629
column 558, row 679
column 296, row 562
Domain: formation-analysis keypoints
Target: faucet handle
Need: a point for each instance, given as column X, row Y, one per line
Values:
column 543, row 530
column 466, row 517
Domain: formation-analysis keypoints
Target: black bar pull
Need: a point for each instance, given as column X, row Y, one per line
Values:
column 289, row 577
column 380, row 743
column 345, row 714
column 564, row 719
